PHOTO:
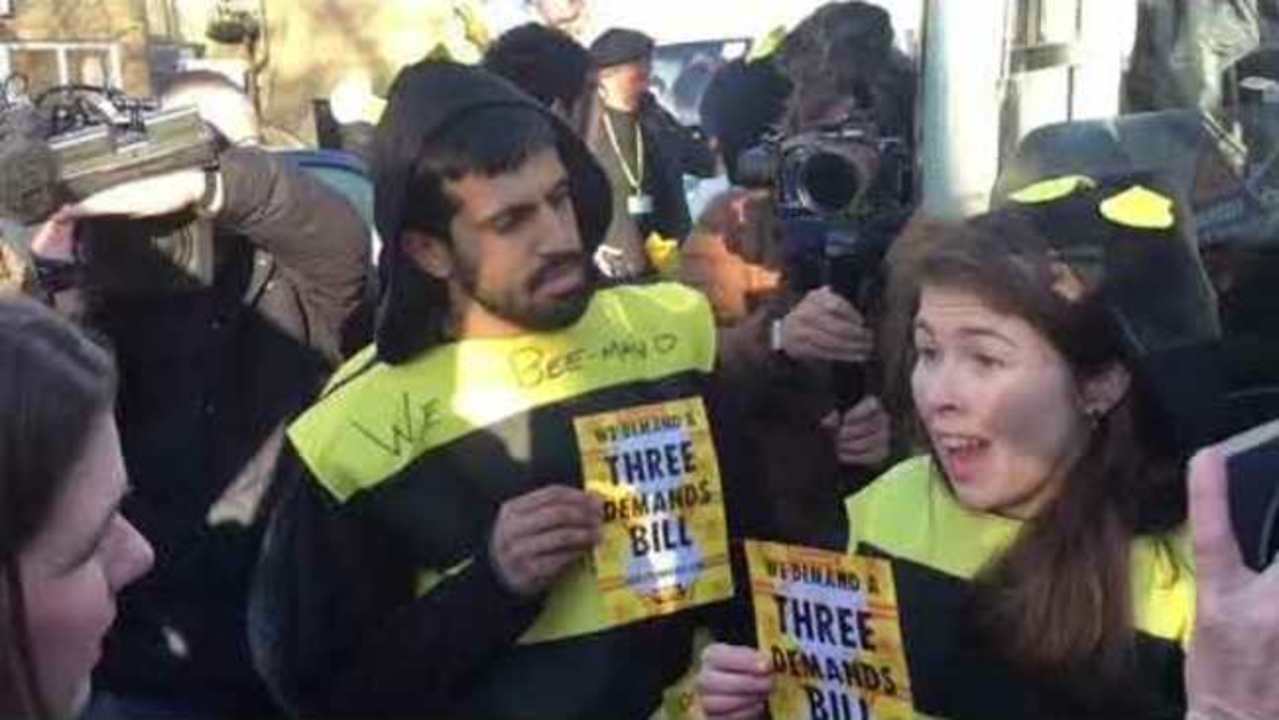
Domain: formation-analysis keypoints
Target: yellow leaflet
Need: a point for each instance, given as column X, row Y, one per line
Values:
column 1053, row 189
column 663, row 254
column 1139, row 207
column 665, row 538
column 769, row 44
column 829, row 624
column 476, row 29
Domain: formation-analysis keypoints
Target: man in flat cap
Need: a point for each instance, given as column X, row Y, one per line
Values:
column 644, row 150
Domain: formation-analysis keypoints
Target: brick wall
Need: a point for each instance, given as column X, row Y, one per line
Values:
column 311, row 45
column 108, row 21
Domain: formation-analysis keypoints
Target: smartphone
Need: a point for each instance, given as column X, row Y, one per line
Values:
column 1252, row 467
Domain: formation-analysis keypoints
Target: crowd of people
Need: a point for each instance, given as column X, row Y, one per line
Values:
column 285, row 482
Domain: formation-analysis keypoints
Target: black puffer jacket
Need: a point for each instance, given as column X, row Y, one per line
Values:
column 208, row 380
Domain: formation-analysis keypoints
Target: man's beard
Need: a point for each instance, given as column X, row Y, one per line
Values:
column 516, row 304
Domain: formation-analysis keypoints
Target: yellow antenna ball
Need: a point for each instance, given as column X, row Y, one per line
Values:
column 1139, row 207
column 1053, row 189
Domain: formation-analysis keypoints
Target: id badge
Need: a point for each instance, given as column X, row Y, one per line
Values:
column 639, row 204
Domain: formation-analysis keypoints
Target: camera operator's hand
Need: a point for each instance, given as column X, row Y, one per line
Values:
column 149, row 197
column 825, row 326
column 55, row 240
column 538, row 535
column 861, row 436
column 1230, row 671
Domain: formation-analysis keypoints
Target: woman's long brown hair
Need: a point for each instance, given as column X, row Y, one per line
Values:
column 54, row 383
column 1057, row 603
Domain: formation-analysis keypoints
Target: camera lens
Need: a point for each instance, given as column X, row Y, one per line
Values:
column 830, row 182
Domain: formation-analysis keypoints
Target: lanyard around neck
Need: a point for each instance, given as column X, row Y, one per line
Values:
column 634, row 179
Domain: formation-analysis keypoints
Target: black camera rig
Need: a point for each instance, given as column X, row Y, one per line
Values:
column 842, row 192
column 72, row 141
column 843, row 169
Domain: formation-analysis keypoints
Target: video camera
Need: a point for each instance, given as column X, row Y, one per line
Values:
column 75, row 140
column 843, row 192
column 836, row 170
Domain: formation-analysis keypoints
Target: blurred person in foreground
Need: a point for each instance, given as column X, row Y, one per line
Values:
column 66, row 551
column 227, row 295
column 1042, row 557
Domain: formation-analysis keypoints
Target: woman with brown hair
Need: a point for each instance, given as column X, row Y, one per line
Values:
column 65, row 550
column 1039, row 548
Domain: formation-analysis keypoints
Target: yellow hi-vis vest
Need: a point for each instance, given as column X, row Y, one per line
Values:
column 376, row 420
column 909, row 515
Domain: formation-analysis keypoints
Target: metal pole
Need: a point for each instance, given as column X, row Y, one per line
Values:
column 64, row 70
column 964, row 51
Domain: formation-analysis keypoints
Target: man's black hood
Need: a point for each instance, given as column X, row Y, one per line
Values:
column 425, row 99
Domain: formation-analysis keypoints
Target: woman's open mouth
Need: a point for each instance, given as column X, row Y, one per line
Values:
column 961, row 454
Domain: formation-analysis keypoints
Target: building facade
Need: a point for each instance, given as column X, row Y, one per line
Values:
column 52, row 42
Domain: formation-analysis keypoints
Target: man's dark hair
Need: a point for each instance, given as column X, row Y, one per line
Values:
column 446, row 121
column 487, row 141
column 845, row 50
column 544, row 62
column 838, row 37
column 742, row 101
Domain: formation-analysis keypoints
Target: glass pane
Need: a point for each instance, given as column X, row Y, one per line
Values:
column 1058, row 20
column 91, row 67
column 39, row 66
